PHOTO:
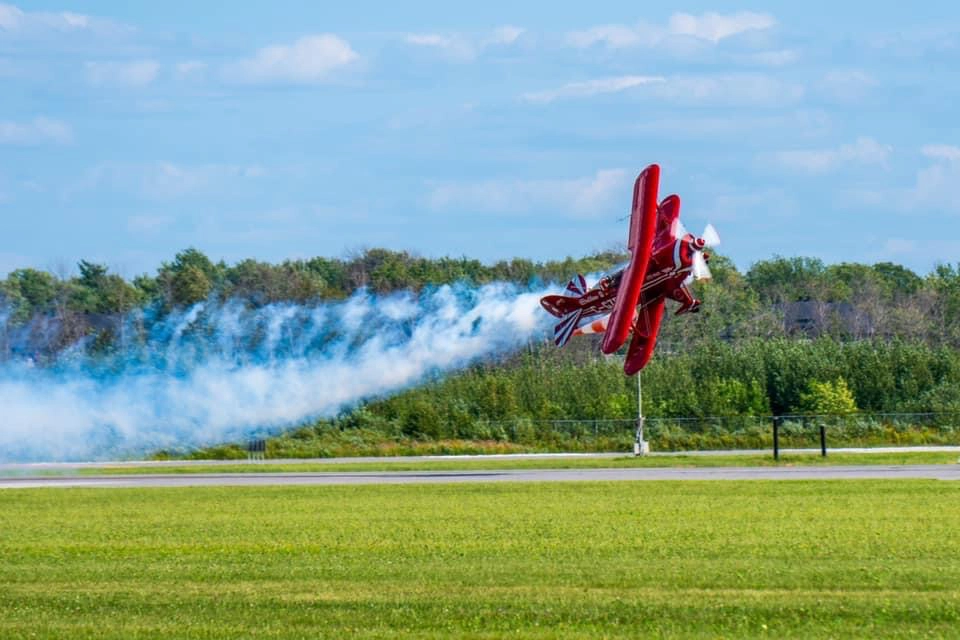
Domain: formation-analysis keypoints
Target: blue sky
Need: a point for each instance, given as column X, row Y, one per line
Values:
column 129, row 131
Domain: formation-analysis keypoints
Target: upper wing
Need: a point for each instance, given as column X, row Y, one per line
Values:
column 644, row 336
column 667, row 214
column 643, row 221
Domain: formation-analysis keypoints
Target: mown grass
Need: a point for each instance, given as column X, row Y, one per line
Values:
column 833, row 559
column 751, row 460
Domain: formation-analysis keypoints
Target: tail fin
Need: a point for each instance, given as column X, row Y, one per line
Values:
column 577, row 285
column 566, row 327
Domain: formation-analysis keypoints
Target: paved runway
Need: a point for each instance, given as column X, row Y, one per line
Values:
column 27, row 468
column 933, row 471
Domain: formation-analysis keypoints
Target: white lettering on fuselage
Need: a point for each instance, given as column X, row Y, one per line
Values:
column 602, row 299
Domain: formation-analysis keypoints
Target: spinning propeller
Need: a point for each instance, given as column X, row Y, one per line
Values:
column 709, row 239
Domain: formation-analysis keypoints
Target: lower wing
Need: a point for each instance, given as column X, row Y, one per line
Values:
column 644, row 339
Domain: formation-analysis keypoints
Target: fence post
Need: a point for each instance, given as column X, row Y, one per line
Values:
column 776, row 438
column 823, row 440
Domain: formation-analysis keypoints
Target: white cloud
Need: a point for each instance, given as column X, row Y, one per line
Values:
column 586, row 197
column 454, row 46
column 137, row 73
column 709, row 27
column 745, row 89
column 168, row 180
column 776, row 58
column 615, row 36
column 591, row 88
column 190, row 69
column 740, row 89
column 16, row 21
column 947, row 152
column 428, row 40
column 714, row 27
column 936, row 187
column 164, row 180
column 507, row 34
column 37, row 131
column 10, row 17
column 310, row 59
column 465, row 47
column 848, row 85
column 13, row 18
column 865, row 151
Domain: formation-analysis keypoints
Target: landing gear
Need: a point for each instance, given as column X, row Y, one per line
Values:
column 688, row 304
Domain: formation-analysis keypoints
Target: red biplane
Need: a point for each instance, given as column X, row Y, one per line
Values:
column 664, row 261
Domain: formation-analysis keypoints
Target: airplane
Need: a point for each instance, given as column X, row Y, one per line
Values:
column 664, row 260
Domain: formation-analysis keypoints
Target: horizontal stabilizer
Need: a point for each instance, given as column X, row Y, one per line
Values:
column 564, row 330
column 560, row 306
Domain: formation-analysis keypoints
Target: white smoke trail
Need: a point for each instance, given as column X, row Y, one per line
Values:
column 219, row 372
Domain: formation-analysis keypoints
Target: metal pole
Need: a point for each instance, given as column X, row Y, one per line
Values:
column 776, row 438
column 823, row 440
column 640, row 446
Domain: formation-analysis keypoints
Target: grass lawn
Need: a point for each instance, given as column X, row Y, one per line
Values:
column 867, row 559
column 495, row 463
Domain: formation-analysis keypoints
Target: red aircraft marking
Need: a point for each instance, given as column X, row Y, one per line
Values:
column 643, row 221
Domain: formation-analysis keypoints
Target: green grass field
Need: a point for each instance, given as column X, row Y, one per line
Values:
column 834, row 559
column 494, row 463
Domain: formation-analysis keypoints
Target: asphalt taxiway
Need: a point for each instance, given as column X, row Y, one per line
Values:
column 146, row 480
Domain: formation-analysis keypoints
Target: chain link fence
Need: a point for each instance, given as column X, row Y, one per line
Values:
column 744, row 432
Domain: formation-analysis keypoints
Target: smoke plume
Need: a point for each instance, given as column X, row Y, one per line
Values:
column 221, row 372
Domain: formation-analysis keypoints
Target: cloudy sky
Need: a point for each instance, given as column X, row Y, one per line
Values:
column 129, row 131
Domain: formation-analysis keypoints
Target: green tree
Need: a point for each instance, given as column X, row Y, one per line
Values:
column 97, row 291
column 35, row 290
column 781, row 280
column 898, row 280
column 191, row 277
column 828, row 398
column 189, row 285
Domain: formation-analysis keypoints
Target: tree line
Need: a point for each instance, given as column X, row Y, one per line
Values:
column 778, row 297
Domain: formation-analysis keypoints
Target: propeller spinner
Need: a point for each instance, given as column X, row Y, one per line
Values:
column 709, row 239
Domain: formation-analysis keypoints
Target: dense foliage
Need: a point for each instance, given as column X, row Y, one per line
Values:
column 789, row 336
column 713, row 395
